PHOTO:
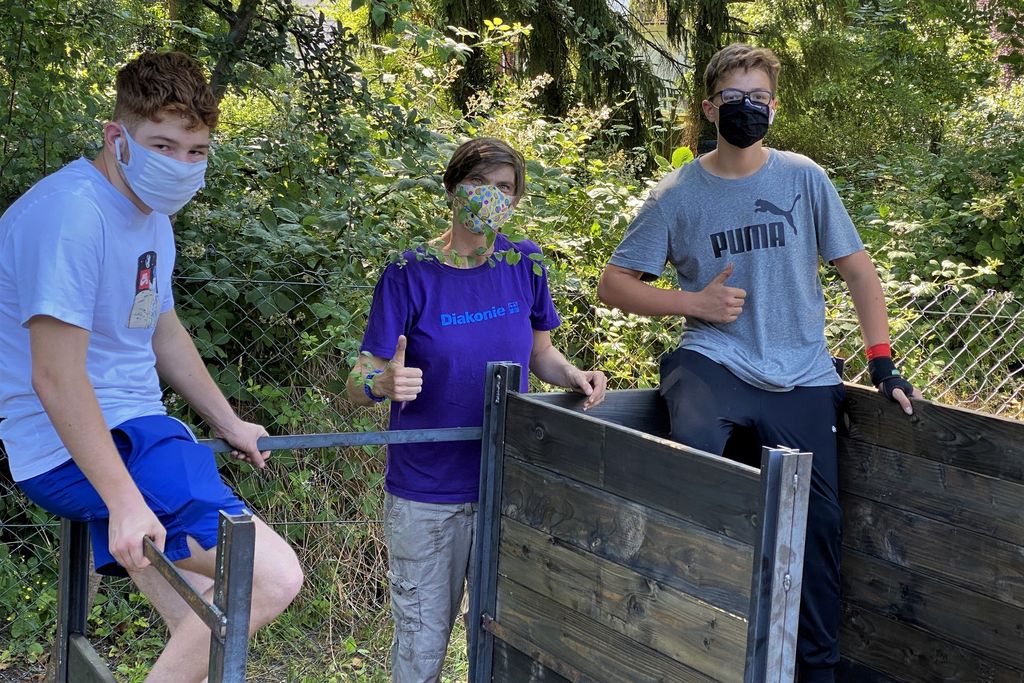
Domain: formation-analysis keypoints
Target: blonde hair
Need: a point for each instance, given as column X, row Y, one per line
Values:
column 740, row 56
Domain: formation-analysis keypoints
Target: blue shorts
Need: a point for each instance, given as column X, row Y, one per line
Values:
column 178, row 479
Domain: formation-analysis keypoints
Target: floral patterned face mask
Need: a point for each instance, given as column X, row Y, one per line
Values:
column 483, row 206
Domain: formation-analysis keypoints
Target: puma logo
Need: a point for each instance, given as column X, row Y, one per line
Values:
column 765, row 206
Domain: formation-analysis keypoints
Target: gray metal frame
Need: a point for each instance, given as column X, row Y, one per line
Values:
column 778, row 571
column 342, row 439
column 232, row 595
column 501, row 378
column 228, row 615
column 75, row 659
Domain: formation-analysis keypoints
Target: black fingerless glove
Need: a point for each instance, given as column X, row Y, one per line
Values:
column 886, row 377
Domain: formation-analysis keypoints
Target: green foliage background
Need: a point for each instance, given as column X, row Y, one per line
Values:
column 327, row 166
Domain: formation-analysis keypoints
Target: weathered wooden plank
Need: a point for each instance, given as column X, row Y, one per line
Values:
column 584, row 644
column 645, row 411
column 909, row 654
column 556, row 439
column 654, row 614
column 852, row 672
column 711, row 567
column 719, row 494
column 963, row 438
column 534, row 651
column 973, row 561
column 978, row 502
column 989, row 627
column 512, row 666
column 708, row 490
column 640, row 409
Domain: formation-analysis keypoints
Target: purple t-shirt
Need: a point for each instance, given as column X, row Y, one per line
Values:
column 456, row 321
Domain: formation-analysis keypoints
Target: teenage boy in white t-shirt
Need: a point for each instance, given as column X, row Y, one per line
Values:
column 87, row 328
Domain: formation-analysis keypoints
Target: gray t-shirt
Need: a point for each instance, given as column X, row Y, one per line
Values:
column 772, row 226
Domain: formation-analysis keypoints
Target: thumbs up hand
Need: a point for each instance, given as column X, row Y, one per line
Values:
column 398, row 382
column 719, row 303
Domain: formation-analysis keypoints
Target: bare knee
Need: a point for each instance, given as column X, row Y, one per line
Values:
column 288, row 581
column 277, row 575
column 276, row 587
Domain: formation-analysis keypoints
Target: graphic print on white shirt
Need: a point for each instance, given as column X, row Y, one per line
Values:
column 146, row 306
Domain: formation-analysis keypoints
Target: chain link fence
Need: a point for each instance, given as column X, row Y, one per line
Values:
column 281, row 349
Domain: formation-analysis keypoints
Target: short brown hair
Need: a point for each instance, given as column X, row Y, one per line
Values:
column 740, row 56
column 486, row 152
column 155, row 82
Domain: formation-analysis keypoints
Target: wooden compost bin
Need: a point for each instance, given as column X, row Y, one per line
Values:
column 933, row 544
column 933, row 548
column 622, row 556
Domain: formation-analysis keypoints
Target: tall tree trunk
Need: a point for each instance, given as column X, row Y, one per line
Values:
column 548, row 52
column 476, row 74
column 711, row 23
column 240, row 22
column 189, row 13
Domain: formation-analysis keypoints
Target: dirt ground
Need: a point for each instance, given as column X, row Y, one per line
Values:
column 24, row 674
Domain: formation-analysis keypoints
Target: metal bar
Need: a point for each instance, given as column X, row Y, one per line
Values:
column 210, row 614
column 791, row 533
column 84, row 664
column 72, row 593
column 537, row 654
column 232, row 595
column 501, row 378
column 73, row 586
column 778, row 567
column 343, row 439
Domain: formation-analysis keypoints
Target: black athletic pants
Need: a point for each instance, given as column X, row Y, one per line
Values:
column 707, row 405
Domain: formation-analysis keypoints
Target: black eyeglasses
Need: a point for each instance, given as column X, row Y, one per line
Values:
column 730, row 95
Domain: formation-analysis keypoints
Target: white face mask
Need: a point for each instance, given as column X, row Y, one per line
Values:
column 162, row 183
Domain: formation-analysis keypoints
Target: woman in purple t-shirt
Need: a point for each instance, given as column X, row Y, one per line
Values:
column 433, row 327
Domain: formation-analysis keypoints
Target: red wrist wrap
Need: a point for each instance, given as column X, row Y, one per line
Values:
column 879, row 351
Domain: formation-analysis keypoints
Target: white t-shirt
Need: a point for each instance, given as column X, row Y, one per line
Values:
column 76, row 249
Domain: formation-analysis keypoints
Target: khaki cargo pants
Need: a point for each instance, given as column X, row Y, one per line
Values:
column 429, row 550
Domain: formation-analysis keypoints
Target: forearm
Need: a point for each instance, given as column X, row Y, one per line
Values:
column 868, row 298
column 549, row 365
column 180, row 365
column 358, row 378
column 624, row 290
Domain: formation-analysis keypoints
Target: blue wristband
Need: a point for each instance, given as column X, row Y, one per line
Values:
column 368, row 383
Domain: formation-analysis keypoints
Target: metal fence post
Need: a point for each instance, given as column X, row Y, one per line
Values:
column 501, row 378
column 232, row 596
column 76, row 661
column 72, row 590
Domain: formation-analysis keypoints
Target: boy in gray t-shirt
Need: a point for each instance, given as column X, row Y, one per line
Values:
column 745, row 226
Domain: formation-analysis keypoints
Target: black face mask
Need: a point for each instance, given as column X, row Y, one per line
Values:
column 743, row 123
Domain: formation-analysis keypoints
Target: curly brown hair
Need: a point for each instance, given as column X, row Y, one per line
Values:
column 158, row 82
column 486, row 152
